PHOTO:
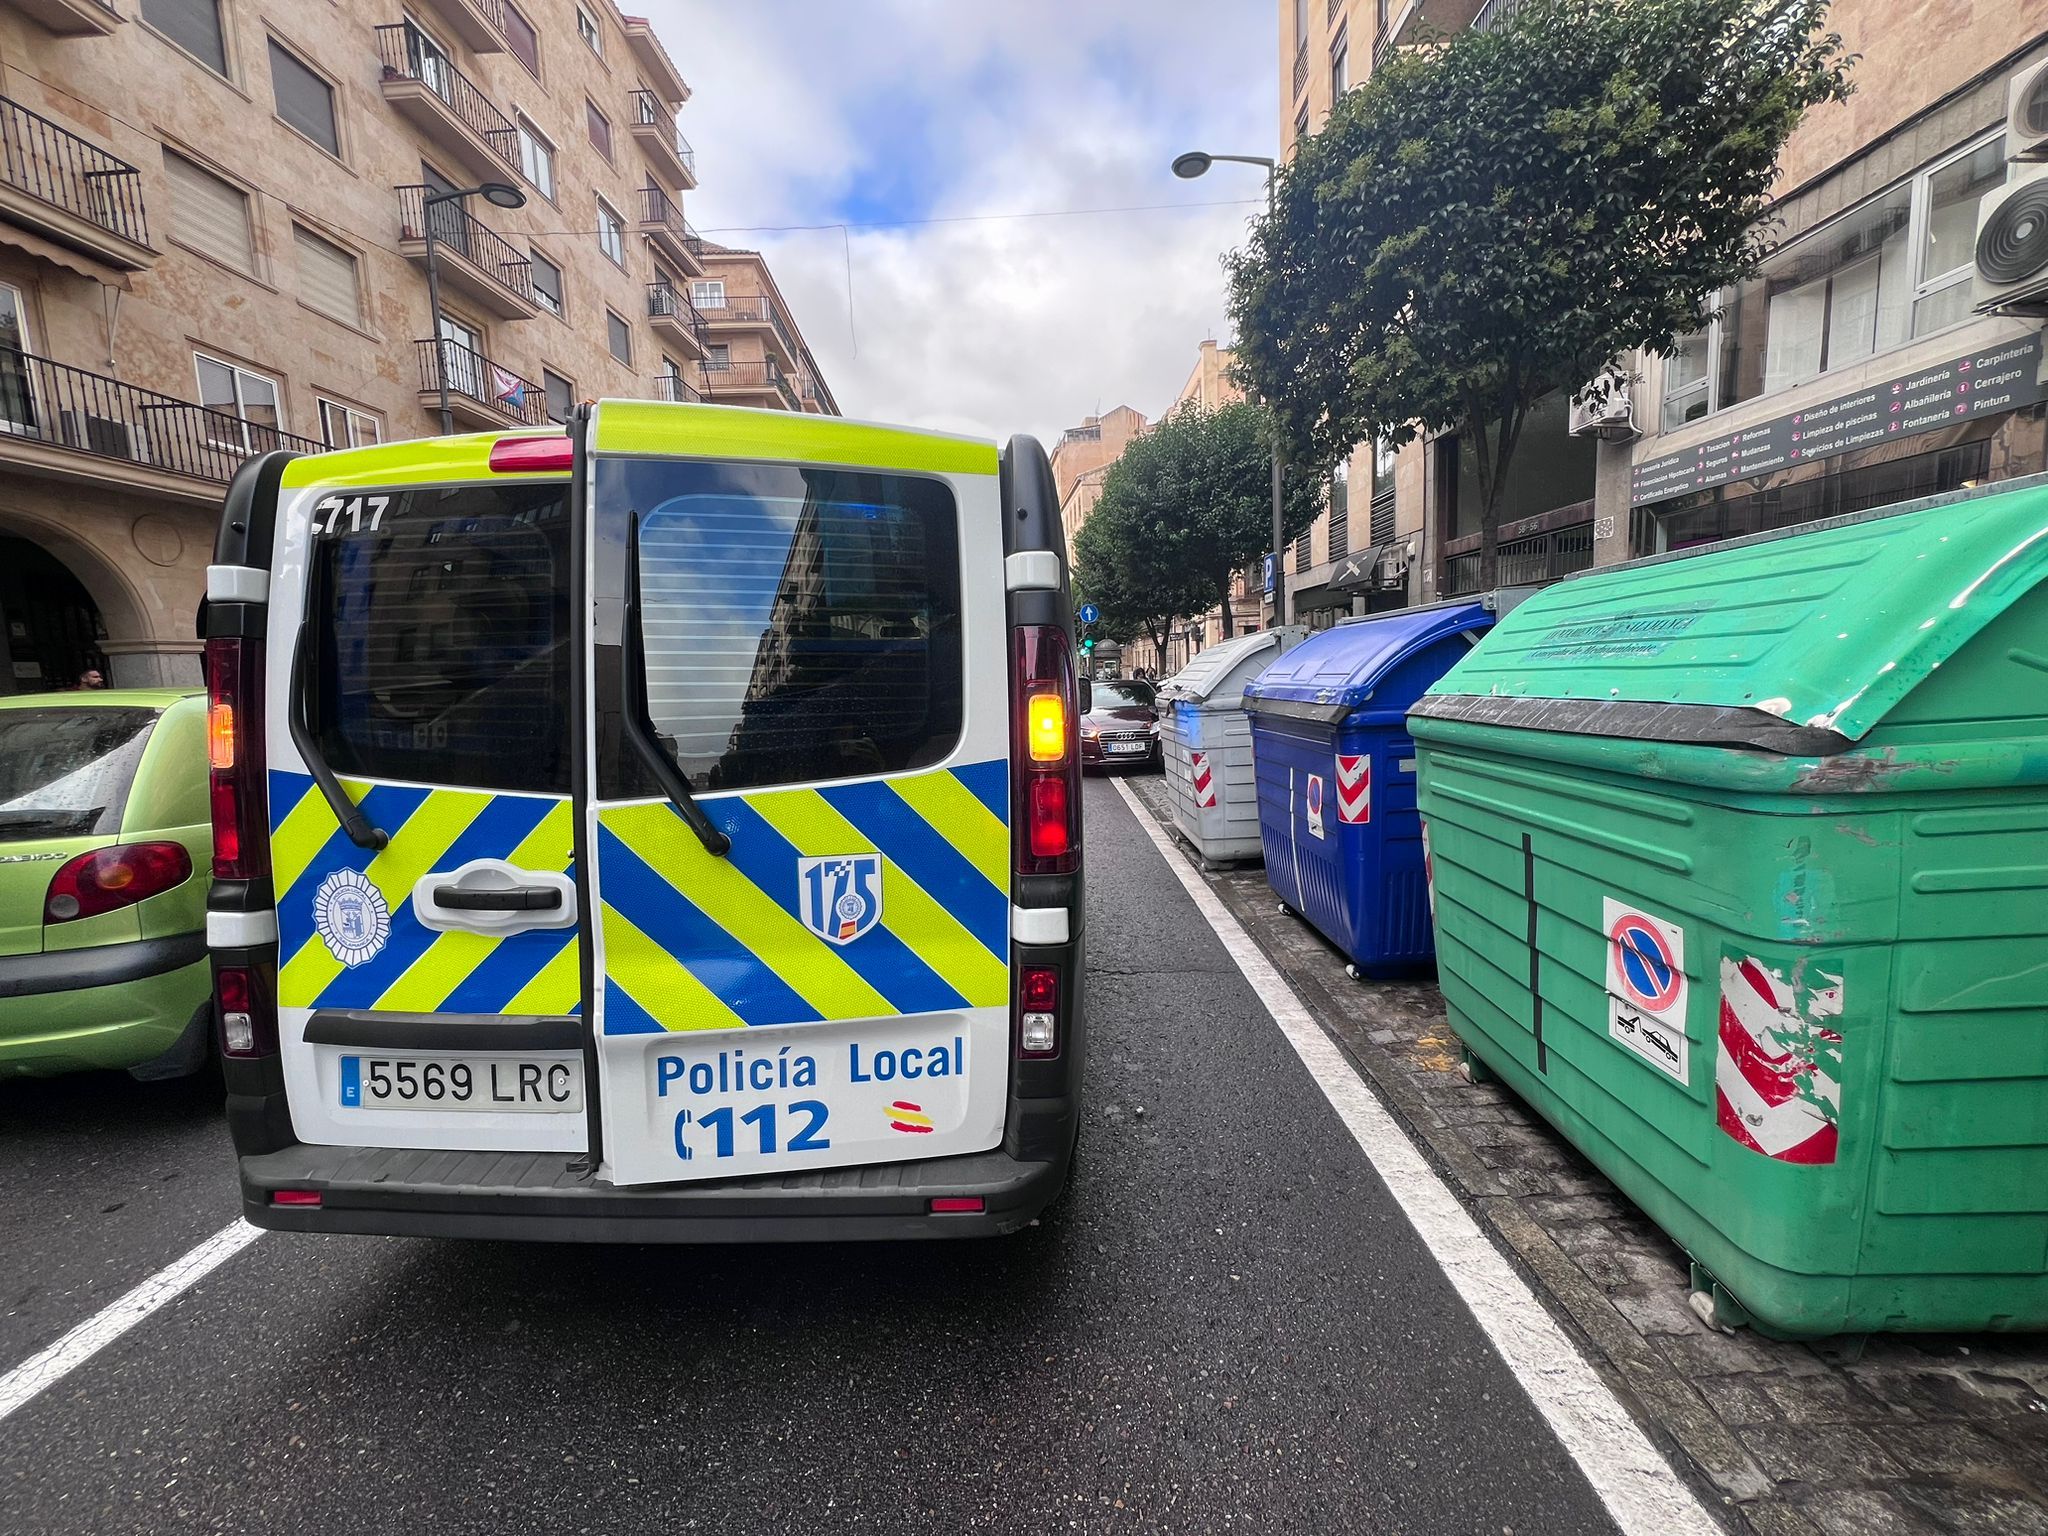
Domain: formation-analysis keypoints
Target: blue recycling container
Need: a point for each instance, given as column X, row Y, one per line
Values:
column 1336, row 777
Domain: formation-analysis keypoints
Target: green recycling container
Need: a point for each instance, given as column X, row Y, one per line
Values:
column 1740, row 872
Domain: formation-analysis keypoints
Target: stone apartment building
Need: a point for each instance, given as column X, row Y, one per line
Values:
column 1782, row 410
column 214, row 240
column 1082, row 457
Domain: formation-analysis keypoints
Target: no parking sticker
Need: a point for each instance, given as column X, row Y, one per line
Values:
column 1646, row 986
column 1314, row 799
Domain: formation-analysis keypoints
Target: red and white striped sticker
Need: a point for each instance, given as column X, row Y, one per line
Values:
column 1205, row 784
column 1777, row 1075
column 1354, row 788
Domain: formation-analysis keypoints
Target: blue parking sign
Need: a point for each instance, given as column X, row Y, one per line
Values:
column 1269, row 573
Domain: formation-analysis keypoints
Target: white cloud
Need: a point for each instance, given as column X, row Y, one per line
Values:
column 803, row 108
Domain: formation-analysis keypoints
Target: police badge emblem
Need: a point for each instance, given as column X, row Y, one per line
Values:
column 351, row 917
column 841, row 895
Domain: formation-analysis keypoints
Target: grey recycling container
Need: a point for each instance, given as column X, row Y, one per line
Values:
column 1207, row 743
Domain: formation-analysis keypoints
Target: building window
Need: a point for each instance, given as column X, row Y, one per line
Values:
column 1304, row 547
column 522, row 39
column 210, row 215
column 708, row 293
column 600, row 128
column 343, row 426
column 328, row 279
column 1301, row 123
column 536, row 159
column 560, row 392
column 1340, row 509
column 1300, row 23
column 194, row 25
column 611, row 232
column 547, row 282
column 1340, row 66
column 1894, row 269
column 718, row 358
column 303, row 99
column 250, row 398
column 586, row 28
column 619, row 337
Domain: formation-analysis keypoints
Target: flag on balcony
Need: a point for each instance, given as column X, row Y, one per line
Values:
column 508, row 388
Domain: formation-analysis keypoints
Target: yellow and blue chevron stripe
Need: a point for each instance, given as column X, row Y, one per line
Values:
column 419, row 969
column 697, row 942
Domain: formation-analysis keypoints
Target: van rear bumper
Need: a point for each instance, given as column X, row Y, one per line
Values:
column 536, row 1197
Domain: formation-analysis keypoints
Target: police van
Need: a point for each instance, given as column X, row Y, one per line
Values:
column 662, row 829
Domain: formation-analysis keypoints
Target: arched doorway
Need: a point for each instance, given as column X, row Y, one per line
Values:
column 53, row 629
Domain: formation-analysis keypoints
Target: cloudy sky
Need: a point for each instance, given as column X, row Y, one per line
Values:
column 873, row 113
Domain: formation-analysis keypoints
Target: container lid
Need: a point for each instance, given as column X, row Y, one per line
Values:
column 1814, row 633
column 1217, row 676
column 1337, row 670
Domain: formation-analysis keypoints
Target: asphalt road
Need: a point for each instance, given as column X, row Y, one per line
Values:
column 1226, row 1325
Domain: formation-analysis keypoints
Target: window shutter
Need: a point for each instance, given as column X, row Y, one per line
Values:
column 194, row 25
column 303, row 99
column 209, row 214
column 327, row 277
column 522, row 39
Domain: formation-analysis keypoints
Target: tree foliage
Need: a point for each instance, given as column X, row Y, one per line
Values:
column 1501, row 214
column 1187, row 505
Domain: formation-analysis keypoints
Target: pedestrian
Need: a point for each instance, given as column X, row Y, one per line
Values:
column 89, row 679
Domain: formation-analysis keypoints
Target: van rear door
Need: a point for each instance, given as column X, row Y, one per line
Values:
column 799, row 838
column 419, row 657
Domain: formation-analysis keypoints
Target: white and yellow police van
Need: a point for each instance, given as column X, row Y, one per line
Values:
column 666, row 829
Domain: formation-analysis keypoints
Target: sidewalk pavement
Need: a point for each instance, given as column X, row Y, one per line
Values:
column 1893, row 1435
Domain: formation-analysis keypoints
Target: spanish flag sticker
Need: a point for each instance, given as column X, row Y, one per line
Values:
column 906, row 1116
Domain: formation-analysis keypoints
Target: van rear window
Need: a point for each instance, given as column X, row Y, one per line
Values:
column 798, row 624
column 441, row 630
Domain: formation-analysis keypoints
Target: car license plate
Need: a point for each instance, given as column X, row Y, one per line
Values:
column 498, row 1084
column 1126, row 746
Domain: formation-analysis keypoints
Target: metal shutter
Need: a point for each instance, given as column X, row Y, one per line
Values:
column 327, row 277
column 210, row 215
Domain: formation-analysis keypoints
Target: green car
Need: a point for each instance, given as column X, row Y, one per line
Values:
column 106, row 852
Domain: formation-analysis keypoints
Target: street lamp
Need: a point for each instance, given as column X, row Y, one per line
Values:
column 1187, row 167
column 499, row 194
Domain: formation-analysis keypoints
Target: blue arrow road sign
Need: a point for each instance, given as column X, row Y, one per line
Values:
column 1090, row 613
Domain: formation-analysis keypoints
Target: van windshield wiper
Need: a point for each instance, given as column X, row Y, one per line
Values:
column 360, row 829
column 639, row 724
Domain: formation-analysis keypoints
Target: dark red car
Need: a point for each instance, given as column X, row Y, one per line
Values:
column 1121, row 727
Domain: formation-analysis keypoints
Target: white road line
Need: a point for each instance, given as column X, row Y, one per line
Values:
column 52, row 1365
column 1637, row 1485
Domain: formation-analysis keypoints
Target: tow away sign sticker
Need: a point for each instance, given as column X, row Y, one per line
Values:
column 1646, row 987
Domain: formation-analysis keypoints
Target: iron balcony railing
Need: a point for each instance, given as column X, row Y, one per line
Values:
column 409, row 54
column 657, row 207
column 667, row 301
column 57, row 167
column 649, row 112
column 1539, row 558
column 752, row 377
column 753, row 309
column 475, row 377
column 461, row 233
column 1496, row 13
column 677, row 390
column 89, row 413
column 1301, row 67
column 1087, row 434
column 1331, row 15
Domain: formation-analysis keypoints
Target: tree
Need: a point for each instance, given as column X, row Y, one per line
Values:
column 1117, row 568
column 1185, row 507
column 1503, row 214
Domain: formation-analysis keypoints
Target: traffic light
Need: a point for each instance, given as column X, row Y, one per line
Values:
column 1087, row 644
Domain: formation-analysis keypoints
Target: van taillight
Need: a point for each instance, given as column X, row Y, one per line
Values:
column 1045, row 758
column 1038, row 1011
column 247, row 1002
column 234, row 750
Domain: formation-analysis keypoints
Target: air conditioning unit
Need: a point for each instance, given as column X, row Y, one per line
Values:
column 1604, row 409
column 2012, row 245
column 102, row 435
column 2026, row 114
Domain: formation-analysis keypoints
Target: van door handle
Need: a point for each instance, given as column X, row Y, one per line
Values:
column 521, row 898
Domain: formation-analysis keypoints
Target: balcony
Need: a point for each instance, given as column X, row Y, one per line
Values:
column 676, row 389
column 439, row 100
column 1409, row 21
column 69, row 190
column 63, row 423
column 674, row 318
column 815, row 399
column 662, row 222
column 480, row 24
column 1300, row 67
column 1496, row 13
column 70, row 18
column 1530, row 560
column 654, row 61
column 761, row 383
column 654, row 130
column 473, row 259
column 481, row 393
column 753, row 312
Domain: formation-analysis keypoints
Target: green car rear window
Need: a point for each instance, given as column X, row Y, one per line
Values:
column 66, row 771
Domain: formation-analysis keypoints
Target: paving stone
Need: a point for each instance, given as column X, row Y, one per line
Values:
column 1978, row 1512
column 1864, row 1512
column 1736, row 1400
column 1713, row 1353
column 1817, row 1453
column 1382, row 1037
column 1819, row 1399
column 1766, row 1519
column 1945, row 1448
column 1944, row 1392
column 1657, row 1309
